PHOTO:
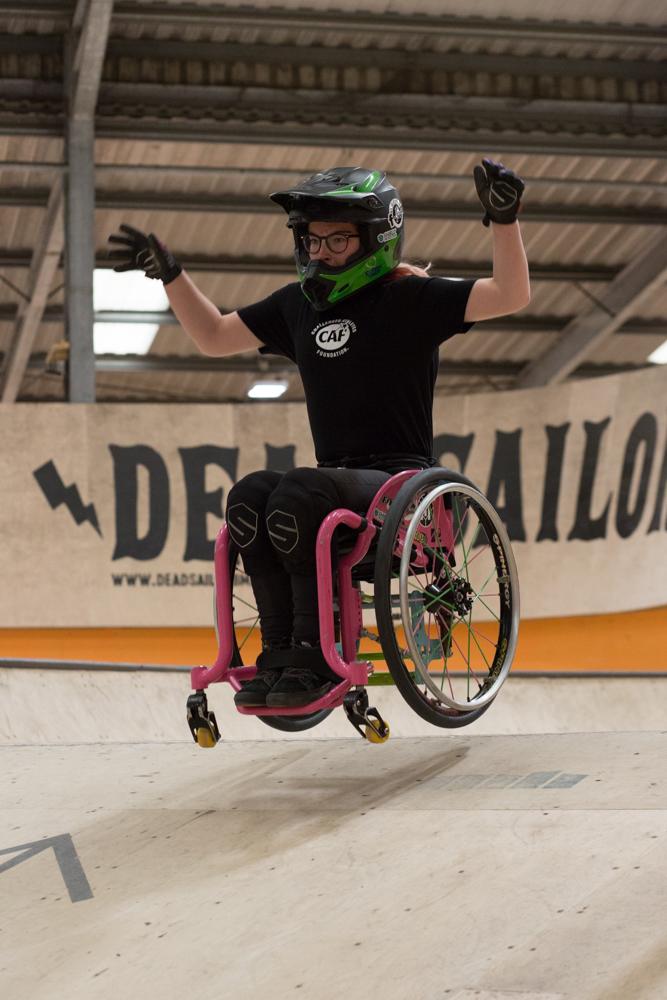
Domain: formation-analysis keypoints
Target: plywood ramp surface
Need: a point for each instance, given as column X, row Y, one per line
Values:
column 455, row 867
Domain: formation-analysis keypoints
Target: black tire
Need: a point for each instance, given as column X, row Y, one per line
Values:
column 385, row 569
column 285, row 723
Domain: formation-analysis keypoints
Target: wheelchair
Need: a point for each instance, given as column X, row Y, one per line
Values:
column 421, row 592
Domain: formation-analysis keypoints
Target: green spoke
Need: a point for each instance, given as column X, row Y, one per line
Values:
column 250, row 630
column 490, row 610
column 486, row 639
column 480, row 589
column 417, row 622
column 423, row 590
column 449, row 681
column 431, row 551
column 439, row 601
column 474, row 637
column 470, row 547
column 459, row 531
column 470, row 670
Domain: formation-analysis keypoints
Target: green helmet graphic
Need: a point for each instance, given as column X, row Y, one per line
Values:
column 345, row 194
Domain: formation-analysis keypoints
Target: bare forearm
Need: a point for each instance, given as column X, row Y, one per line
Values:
column 510, row 266
column 197, row 315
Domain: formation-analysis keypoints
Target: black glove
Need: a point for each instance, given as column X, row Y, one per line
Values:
column 499, row 191
column 144, row 253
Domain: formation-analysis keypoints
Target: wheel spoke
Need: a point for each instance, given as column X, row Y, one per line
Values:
column 477, row 554
column 469, row 667
column 485, row 637
column 471, row 634
column 235, row 597
column 490, row 610
column 249, row 633
column 466, row 562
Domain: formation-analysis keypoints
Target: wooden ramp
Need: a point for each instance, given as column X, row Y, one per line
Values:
column 455, row 866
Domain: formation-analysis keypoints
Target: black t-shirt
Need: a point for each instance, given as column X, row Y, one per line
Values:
column 369, row 364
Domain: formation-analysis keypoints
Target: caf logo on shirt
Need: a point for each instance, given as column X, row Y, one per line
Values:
column 332, row 336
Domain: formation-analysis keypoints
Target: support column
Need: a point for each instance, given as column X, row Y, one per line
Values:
column 80, row 259
column 84, row 60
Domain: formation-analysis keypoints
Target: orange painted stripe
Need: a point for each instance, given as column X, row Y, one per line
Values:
column 634, row 641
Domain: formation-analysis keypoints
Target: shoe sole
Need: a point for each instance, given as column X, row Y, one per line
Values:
column 295, row 701
column 250, row 703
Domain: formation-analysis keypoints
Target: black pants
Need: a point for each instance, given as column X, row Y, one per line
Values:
column 274, row 518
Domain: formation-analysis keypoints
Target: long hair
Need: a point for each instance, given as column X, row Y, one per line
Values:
column 404, row 269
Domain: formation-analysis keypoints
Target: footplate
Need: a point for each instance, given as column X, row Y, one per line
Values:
column 366, row 720
column 202, row 723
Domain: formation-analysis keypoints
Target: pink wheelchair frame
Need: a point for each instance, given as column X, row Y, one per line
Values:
column 352, row 671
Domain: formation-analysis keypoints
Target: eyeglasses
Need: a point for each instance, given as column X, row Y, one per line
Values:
column 335, row 242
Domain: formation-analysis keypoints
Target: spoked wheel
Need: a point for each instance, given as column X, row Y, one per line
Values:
column 247, row 638
column 446, row 598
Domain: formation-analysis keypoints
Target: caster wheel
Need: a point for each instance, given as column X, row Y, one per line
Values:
column 373, row 737
column 205, row 738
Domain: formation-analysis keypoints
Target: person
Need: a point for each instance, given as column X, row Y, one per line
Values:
column 364, row 328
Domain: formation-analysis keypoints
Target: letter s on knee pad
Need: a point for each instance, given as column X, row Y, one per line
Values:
column 283, row 531
column 242, row 522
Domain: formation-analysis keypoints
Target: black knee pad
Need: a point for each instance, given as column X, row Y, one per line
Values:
column 246, row 507
column 294, row 513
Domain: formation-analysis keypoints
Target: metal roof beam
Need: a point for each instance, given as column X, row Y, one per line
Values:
column 467, row 27
column 284, row 266
column 162, row 201
column 617, row 302
column 527, row 324
column 322, row 105
column 394, row 59
column 247, row 364
column 521, row 324
column 501, row 137
column 367, row 119
column 43, row 266
column 48, row 168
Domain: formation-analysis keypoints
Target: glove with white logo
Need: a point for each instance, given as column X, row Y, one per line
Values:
column 141, row 252
column 499, row 191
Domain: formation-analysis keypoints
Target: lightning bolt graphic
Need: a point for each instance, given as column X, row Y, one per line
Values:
column 57, row 493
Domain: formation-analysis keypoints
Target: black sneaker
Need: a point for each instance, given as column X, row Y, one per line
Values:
column 298, row 686
column 253, row 694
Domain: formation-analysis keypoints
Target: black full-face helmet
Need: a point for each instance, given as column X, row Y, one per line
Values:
column 345, row 194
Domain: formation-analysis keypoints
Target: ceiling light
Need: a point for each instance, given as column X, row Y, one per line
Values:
column 267, row 389
column 128, row 290
column 123, row 338
column 659, row 356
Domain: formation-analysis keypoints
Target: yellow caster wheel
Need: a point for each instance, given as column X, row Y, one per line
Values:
column 373, row 737
column 205, row 738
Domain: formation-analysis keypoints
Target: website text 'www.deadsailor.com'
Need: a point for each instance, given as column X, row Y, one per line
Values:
column 162, row 579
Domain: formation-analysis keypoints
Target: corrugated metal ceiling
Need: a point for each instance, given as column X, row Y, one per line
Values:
column 246, row 172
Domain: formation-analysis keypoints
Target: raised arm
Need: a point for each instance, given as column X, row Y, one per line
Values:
column 508, row 290
column 213, row 333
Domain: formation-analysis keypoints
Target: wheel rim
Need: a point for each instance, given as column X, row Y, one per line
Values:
column 458, row 624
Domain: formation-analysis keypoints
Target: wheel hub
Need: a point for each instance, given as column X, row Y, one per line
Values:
column 455, row 596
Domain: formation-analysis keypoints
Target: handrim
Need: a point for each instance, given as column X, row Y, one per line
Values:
column 480, row 500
